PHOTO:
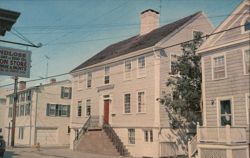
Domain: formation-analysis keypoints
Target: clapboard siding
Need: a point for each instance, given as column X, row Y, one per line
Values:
column 235, row 85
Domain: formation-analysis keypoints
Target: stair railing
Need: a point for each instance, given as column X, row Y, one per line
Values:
column 192, row 146
column 115, row 139
column 83, row 130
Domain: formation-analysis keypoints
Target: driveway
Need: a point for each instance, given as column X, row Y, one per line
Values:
column 24, row 152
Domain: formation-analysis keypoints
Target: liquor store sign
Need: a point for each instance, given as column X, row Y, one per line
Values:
column 15, row 62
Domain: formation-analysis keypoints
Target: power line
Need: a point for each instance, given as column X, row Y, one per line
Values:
column 157, row 49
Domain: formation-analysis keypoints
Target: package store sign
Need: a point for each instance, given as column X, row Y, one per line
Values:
column 15, row 62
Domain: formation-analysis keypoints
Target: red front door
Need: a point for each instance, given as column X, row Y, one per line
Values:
column 106, row 111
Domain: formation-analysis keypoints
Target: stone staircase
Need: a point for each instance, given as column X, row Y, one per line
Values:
column 96, row 141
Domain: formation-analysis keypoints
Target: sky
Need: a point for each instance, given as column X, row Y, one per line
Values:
column 71, row 31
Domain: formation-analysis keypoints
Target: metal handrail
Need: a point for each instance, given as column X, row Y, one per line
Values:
column 115, row 139
column 83, row 130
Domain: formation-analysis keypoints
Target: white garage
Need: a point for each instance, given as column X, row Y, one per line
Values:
column 46, row 136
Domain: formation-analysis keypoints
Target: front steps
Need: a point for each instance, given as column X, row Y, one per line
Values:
column 96, row 141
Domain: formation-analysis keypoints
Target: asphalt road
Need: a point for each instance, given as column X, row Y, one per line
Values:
column 24, row 152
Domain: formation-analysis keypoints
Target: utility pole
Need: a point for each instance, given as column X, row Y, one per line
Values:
column 14, row 113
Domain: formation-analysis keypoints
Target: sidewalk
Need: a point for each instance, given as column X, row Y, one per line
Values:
column 24, row 152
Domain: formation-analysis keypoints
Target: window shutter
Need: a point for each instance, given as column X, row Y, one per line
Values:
column 68, row 110
column 47, row 110
column 62, row 91
column 70, row 93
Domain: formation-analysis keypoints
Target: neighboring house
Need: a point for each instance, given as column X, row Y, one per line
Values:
column 121, row 85
column 226, row 68
column 3, row 93
column 42, row 114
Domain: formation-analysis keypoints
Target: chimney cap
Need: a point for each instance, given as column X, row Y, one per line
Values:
column 149, row 10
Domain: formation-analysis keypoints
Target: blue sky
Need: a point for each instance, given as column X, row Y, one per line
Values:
column 72, row 31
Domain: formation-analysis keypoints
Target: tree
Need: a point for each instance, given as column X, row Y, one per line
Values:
column 184, row 104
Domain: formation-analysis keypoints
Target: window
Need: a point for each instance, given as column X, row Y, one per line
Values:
column 127, row 103
column 225, row 112
column 219, row 67
column 141, row 102
column 127, row 69
column 247, row 61
column 141, row 62
column 10, row 111
column 21, row 110
column 58, row 110
column 131, row 136
column 51, row 110
column 79, row 108
column 66, row 92
column 88, row 107
column 22, row 97
column 28, row 95
column 27, row 109
column 11, row 99
column 106, row 74
column 17, row 110
column 89, row 79
column 141, row 67
column 148, row 135
column 247, row 25
column 21, row 132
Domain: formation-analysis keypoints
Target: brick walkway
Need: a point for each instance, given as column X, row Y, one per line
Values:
column 23, row 152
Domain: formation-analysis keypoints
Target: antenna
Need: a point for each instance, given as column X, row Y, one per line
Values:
column 47, row 67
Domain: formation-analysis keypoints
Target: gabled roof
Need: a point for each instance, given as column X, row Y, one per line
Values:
column 209, row 43
column 136, row 43
column 7, row 19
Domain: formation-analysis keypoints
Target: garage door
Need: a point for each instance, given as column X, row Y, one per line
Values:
column 47, row 136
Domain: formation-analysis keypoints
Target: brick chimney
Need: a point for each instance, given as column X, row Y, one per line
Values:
column 149, row 21
column 22, row 85
column 53, row 80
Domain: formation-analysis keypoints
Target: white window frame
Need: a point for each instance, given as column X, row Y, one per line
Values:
column 127, row 74
column 106, row 74
column 22, row 112
column 27, row 109
column 86, row 107
column 218, row 99
column 143, row 108
column 244, row 64
column 247, row 101
column 79, row 82
column 212, row 65
column 141, row 72
column 148, row 135
column 89, row 76
column 131, row 136
column 21, row 133
column 77, row 108
column 124, row 111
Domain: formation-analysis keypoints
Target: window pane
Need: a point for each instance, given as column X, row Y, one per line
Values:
column 127, row 103
column 89, row 79
column 79, row 108
column 128, row 66
column 88, row 107
column 141, row 62
column 225, row 106
column 247, row 61
column 141, row 100
column 131, row 136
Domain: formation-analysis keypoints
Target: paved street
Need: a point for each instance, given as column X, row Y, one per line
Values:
column 24, row 152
